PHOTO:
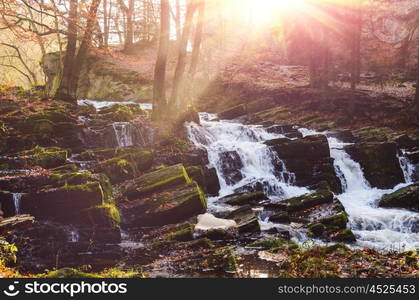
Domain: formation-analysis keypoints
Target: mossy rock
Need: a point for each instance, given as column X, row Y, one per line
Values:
column 183, row 235
column 169, row 206
column 379, row 162
column 344, row 235
column 338, row 221
column 39, row 156
column 246, row 219
column 126, row 166
column 196, row 173
column 66, row 168
column 157, row 181
column 105, row 215
column 407, row 197
column 307, row 201
column 281, row 217
column 267, row 244
column 59, row 179
column 316, row 230
column 64, row 204
column 245, row 198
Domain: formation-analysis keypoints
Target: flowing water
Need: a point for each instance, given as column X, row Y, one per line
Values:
column 123, row 134
column 259, row 162
column 374, row 227
column 101, row 104
column 17, row 200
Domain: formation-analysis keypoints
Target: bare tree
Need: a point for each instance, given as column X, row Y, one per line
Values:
column 159, row 91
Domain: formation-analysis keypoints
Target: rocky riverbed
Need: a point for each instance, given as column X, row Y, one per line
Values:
column 98, row 188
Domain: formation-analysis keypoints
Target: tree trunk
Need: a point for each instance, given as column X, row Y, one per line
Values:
column 159, row 88
column 198, row 38
column 105, row 24
column 64, row 88
column 84, row 47
column 177, row 22
column 181, row 64
column 356, row 46
column 130, row 26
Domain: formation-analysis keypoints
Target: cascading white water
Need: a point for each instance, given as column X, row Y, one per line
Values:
column 381, row 228
column 407, row 167
column 258, row 160
column 73, row 236
column 123, row 134
column 17, row 199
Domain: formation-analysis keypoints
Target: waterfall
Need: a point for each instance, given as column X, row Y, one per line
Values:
column 123, row 134
column 380, row 228
column 73, row 236
column 17, row 200
column 407, row 167
column 259, row 165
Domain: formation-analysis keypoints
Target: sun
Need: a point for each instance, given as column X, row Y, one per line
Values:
column 264, row 11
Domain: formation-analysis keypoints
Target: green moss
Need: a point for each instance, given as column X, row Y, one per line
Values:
column 74, row 178
column 337, row 221
column 269, row 243
column 68, row 273
column 316, row 230
column 104, row 215
column 182, row 235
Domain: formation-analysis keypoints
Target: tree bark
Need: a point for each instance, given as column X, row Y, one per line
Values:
column 198, row 38
column 84, row 47
column 178, row 80
column 159, row 88
column 64, row 90
column 356, row 46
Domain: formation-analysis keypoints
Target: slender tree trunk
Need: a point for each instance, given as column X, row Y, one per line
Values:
column 177, row 22
column 105, row 25
column 159, row 88
column 84, row 47
column 175, row 99
column 64, row 88
column 198, row 38
column 356, row 46
column 130, row 26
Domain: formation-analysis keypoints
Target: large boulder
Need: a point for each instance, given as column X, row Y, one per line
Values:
column 244, row 198
column 246, row 219
column 126, row 166
column 407, row 197
column 167, row 206
column 379, row 162
column 307, row 201
column 309, row 159
column 332, row 228
column 63, row 204
column 156, row 181
column 39, row 156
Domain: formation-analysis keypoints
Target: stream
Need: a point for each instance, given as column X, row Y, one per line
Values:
column 379, row 228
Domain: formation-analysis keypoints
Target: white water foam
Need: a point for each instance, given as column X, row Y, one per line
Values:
column 258, row 160
column 380, row 228
column 17, row 200
column 123, row 134
column 101, row 104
